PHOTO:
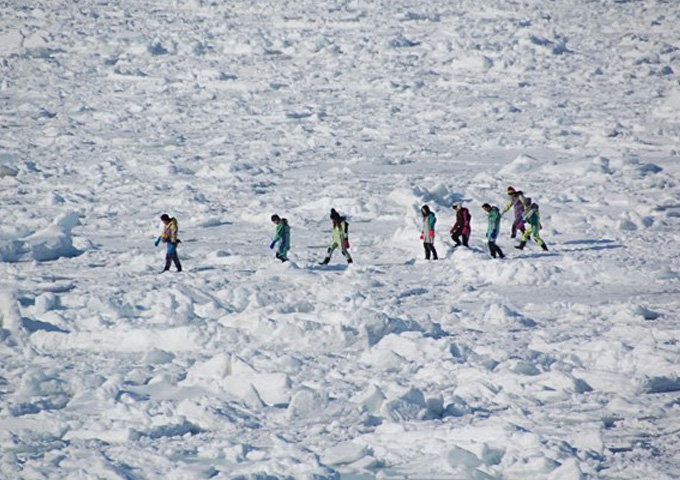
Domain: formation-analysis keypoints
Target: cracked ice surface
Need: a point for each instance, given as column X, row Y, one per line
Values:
column 560, row 365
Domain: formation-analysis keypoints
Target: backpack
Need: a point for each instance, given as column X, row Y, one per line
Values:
column 346, row 241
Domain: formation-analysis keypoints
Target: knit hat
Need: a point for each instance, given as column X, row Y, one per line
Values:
column 456, row 205
column 511, row 191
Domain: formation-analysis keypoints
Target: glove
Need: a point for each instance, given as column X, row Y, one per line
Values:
column 172, row 248
column 157, row 242
column 422, row 237
column 271, row 245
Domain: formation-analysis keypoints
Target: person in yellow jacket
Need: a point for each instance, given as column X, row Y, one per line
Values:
column 169, row 237
column 340, row 238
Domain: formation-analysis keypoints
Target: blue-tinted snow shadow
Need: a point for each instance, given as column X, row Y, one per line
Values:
column 328, row 268
column 594, row 248
column 590, row 241
column 34, row 325
column 535, row 255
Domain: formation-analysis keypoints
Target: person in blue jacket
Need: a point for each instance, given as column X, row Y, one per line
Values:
column 427, row 233
column 282, row 236
column 492, row 229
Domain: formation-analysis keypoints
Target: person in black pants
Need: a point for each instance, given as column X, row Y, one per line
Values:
column 492, row 230
column 427, row 234
column 462, row 226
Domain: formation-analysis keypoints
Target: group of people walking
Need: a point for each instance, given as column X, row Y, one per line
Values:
column 526, row 221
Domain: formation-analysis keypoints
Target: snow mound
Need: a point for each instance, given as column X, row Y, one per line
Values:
column 669, row 108
column 54, row 241
column 50, row 243
column 524, row 164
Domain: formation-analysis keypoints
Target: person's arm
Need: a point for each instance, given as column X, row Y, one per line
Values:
column 494, row 217
column 277, row 236
column 523, row 200
column 466, row 218
column 507, row 206
column 528, row 213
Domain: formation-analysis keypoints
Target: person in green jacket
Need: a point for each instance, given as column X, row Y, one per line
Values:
column 492, row 229
column 282, row 236
column 533, row 218
column 340, row 238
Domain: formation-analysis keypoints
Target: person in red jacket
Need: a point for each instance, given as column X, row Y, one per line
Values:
column 462, row 226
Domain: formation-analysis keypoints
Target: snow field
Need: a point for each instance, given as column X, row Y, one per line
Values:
column 558, row 365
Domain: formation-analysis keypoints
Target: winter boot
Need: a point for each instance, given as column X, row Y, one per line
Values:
column 544, row 247
column 325, row 261
column 349, row 260
column 521, row 245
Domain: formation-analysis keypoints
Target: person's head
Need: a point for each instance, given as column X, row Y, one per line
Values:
column 334, row 215
column 486, row 207
column 165, row 218
column 276, row 219
column 457, row 206
column 512, row 192
column 425, row 210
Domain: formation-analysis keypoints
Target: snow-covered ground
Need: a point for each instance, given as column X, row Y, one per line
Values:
column 559, row 365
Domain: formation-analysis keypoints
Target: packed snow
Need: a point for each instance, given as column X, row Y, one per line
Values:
column 557, row 365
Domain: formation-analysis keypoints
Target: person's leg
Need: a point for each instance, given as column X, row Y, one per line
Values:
column 520, row 225
column 537, row 238
column 466, row 238
column 455, row 236
column 427, row 250
column 175, row 259
column 525, row 238
column 347, row 256
column 434, row 252
column 329, row 254
column 168, row 261
column 492, row 250
column 498, row 250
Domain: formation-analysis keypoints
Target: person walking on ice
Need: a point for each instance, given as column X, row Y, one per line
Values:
column 340, row 238
column 492, row 229
column 282, row 236
column 519, row 202
column 427, row 233
column 169, row 237
column 462, row 226
column 533, row 218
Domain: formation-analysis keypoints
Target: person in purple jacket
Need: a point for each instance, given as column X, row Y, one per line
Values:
column 462, row 226
column 519, row 202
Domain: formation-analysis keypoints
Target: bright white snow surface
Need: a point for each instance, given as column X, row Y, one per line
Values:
column 560, row 365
